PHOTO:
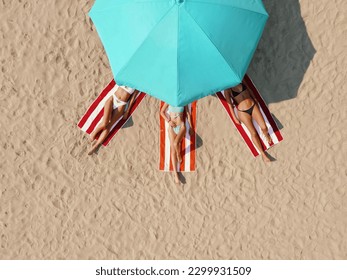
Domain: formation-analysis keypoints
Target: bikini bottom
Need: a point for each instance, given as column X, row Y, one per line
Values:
column 248, row 111
column 117, row 102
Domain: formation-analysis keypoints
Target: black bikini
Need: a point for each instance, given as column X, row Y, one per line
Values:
column 248, row 111
column 236, row 93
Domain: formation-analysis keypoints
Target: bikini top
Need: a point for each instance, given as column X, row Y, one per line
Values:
column 236, row 93
column 128, row 89
column 173, row 109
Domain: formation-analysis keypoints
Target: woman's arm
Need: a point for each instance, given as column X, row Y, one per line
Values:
column 231, row 105
column 163, row 112
column 252, row 94
column 189, row 117
column 131, row 102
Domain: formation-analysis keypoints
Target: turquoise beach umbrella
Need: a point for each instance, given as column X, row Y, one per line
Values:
column 179, row 50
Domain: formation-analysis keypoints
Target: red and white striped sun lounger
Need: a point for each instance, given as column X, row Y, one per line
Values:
column 188, row 145
column 270, row 122
column 95, row 112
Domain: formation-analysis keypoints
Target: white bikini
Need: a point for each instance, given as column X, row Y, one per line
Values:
column 117, row 102
column 128, row 89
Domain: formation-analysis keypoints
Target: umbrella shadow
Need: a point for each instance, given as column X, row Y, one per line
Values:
column 284, row 52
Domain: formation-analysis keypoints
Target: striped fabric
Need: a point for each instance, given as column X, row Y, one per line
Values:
column 95, row 112
column 245, row 134
column 188, row 145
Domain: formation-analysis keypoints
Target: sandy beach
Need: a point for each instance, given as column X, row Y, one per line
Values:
column 56, row 202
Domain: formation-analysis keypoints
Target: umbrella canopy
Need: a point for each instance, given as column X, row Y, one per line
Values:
column 179, row 50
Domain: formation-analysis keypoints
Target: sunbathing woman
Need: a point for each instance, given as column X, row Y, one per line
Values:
column 177, row 130
column 113, row 111
column 248, row 109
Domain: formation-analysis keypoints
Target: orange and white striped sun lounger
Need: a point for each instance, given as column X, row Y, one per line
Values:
column 95, row 112
column 270, row 122
column 188, row 145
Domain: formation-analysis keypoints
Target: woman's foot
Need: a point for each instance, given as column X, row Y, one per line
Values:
column 265, row 157
column 268, row 138
column 177, row 179
column 93, row 149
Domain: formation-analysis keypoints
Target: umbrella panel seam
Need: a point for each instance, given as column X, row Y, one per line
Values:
column 232, row 68
column 210, row 3
column 177, row 57
column 115, row 4
column 125, row 64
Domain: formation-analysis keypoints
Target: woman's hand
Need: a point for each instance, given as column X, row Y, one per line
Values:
column 236, row 120
column 172, row 124
column 125, row 115
column 191, row 131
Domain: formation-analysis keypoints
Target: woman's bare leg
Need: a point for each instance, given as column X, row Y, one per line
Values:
column 101, row 139
column 247, row 120
column 115, row 117
column 108, row 108
column 179, row 151
column 258, row 117
column 172, row 137
column 178, row 142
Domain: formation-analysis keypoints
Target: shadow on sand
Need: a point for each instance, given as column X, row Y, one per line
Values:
column 284, row 52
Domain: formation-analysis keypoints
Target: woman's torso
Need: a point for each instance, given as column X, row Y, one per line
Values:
column 123, row 93
column 241, row 96
column 176, row 114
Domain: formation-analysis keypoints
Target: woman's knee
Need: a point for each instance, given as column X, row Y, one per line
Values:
column 254, row 134
column 264, row 128
column 108, row 127
column 176, row 143
column 103, row 125
column 172, row 150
